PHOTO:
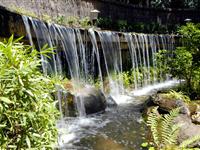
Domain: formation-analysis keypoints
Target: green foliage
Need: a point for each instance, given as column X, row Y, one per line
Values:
column 165, row 133
column 46, row 18
column 183, row 63
column 136, row 76
column 163, row 130
column 122, row 25
column 60, row 20
column 27, row 109
column 104, row 23
column 85, row 22
column 177, row 95
column 189, row 141
column 72, row 21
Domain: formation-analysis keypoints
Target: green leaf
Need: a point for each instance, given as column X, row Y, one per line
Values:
column 30, row 93
column 28, row 142
column 20, row 80
column 6, row 100
column 145, row 144
column 2, row 125
column 12, row 146
column 151, row 148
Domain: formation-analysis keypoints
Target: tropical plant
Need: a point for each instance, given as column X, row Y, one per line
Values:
column 27, row 109
column 165, row 132
column 183, row 63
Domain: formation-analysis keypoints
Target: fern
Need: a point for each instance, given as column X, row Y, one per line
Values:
column 169, row 130
column 189, row 141
column 153, row 122
column 163, row 130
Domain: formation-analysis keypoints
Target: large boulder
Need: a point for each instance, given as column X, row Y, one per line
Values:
column 93, row 99
column 187, row 129
column 166, row 103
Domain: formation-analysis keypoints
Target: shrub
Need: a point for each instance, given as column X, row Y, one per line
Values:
column 183, row 63
column 27, row 109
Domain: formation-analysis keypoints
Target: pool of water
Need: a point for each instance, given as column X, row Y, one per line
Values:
column 119, row 128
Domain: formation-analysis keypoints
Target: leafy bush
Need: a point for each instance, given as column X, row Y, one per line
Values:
column 183, row 63
column 27, row 109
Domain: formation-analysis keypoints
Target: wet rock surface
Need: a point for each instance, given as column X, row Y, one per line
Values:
column 110, row 102
column 93, row 100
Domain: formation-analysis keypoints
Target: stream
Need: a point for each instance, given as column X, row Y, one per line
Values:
column 119, row 128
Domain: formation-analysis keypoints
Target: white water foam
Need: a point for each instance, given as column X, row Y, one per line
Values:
column 126, row 99
column 149, row 89
column 122, row 99
column 73, row 129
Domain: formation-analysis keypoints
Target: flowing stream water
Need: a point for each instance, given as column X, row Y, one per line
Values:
column 88, row 55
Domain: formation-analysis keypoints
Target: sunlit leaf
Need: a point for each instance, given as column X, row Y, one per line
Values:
column 6, row 100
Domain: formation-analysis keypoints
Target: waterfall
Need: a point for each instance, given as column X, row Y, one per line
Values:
column 96, row 55
column 68, row 53
column 142, row 48
column 88, row 55
column 110, row 43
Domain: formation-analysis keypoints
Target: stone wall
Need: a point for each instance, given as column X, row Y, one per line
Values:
column 52, row 8
column 110, row 9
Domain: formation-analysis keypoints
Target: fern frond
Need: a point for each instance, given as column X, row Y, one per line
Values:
column 169, row 131
column 153, row 122
column 189, row 141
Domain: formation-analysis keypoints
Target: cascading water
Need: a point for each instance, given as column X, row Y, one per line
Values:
column 100, row 59
column 67, row 52
column 71, row 55
column 142, row 50
column 110, row 43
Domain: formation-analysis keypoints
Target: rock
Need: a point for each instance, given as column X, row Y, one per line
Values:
column 147, row 106
column 196, row 118
column 194, row 108
column 93, row 100
column 187, row 129
column 111, row 102
column 166, row 104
